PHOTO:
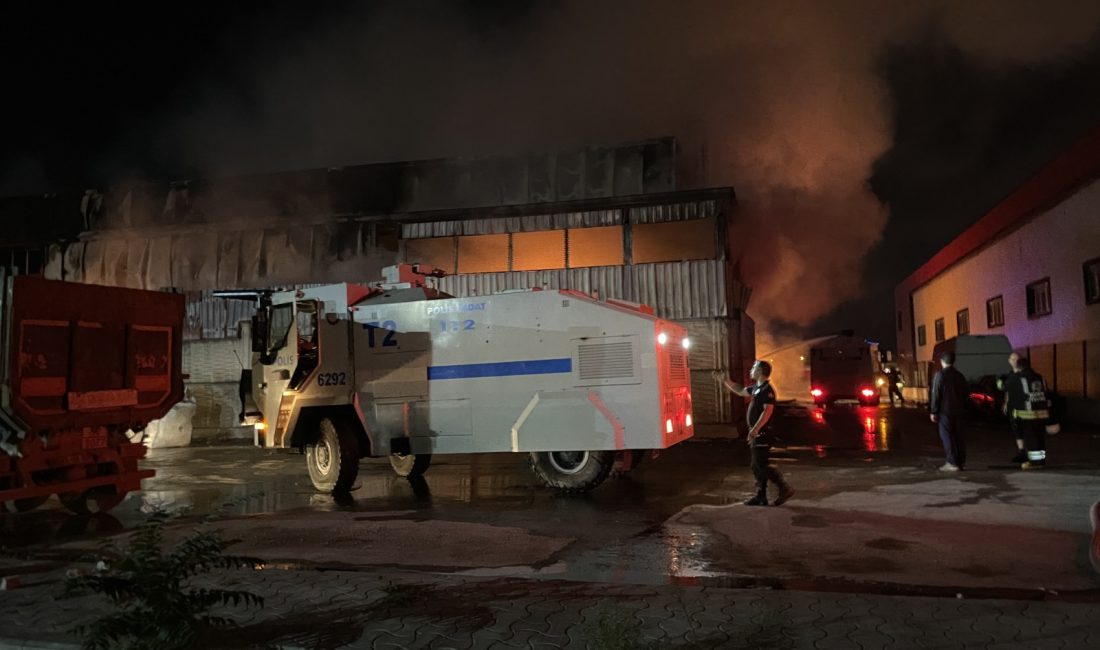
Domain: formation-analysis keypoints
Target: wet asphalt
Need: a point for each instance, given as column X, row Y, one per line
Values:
column 617, row 532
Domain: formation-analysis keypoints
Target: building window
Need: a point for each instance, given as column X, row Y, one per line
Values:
column 962, row 321
column 1092, row 281
column 995, row 312
column 922, row 338
column 939, row 330
column 435, row 251
column 599, row 246
column 1038, row 298
column 483, row 253
column 899, row 321
column 674, row 241
column 535, row 251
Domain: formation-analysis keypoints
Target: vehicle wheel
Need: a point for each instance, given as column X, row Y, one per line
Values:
column 25, row 505
column 572, row 471
column 93, row 501
column 333, row 460
column 410, row 465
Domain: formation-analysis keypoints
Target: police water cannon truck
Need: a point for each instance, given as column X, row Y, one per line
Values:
column 400, row 369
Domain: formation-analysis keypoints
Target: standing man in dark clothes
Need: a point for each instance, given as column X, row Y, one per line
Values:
column 894, row 383
column 950, row 394
column 1029, row 409
column 761, row 407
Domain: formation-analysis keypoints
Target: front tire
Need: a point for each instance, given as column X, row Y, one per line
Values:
column 333, row 460
column 410, row 465
column 572, row 471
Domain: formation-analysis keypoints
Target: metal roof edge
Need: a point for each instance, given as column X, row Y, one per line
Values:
column 1065, row 174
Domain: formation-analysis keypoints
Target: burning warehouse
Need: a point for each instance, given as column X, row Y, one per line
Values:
column 620, row 222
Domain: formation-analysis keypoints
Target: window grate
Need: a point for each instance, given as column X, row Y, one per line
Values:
column 677, row 365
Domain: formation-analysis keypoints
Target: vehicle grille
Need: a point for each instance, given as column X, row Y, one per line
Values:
column 606, row 360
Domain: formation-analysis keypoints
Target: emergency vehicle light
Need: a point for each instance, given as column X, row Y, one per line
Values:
column 686, row 343
column 687, row 420
column 668, row 425
column 662, row 338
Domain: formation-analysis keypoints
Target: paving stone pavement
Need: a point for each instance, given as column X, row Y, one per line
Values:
column 342, row 609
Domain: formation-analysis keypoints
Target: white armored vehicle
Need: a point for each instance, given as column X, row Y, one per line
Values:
column 400, row 369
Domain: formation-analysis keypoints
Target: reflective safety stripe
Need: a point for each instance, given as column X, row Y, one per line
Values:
column 1021, row 414
column 1037, row 455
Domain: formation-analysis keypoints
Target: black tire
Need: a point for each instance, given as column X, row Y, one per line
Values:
column 91, row 502
column 410, row 465
column 333, row 460
column 24, row 505
column 572, row 471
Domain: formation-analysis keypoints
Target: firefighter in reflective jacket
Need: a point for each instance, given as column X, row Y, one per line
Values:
column 1028, row 407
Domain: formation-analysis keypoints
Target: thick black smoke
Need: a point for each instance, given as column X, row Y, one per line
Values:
column 783, row 100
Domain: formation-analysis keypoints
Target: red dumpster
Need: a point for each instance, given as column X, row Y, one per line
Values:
column 80, row 366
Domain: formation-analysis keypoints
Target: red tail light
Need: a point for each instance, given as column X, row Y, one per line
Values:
column 817, row 392
column 867, row 392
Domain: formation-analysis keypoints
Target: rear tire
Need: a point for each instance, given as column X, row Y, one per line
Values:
column 410, row 465
column 24, row 505
column 572, row 471
column 333, row 460
column 91, row 502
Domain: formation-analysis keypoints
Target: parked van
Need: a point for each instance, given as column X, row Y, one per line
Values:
column 981, row 359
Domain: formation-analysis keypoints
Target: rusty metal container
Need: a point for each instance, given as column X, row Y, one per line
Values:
column 81, row 365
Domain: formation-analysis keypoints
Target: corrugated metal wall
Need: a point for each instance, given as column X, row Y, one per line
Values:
column 209, row 317
column 676, row 290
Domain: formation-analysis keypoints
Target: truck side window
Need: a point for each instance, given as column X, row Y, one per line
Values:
column 281, row 318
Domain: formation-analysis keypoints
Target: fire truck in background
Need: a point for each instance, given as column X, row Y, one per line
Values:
column 80, row 365
column 402, row 370
column 845, row 368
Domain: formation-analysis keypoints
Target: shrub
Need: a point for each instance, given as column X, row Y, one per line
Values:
column 155, row 605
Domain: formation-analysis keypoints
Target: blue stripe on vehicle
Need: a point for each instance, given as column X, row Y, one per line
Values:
column 501, row 369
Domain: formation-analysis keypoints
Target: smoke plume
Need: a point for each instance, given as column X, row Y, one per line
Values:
column 782, row 99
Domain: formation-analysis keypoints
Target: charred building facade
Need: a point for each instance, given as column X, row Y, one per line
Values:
column 616, row 222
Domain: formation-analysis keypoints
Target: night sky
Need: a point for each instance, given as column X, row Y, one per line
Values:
column 109, row 93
